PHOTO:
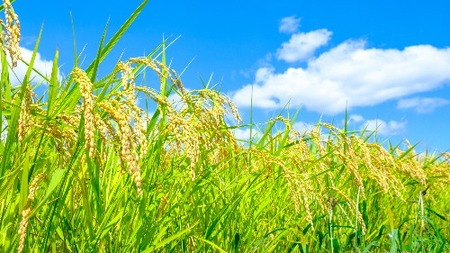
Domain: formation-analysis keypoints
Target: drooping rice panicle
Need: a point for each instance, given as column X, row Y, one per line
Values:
column 11, row 33
column 27, row 211
column 82, row 79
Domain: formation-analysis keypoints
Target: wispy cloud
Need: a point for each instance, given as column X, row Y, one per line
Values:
column 302, row 46
column 289, row 24
column 41, row 65
column 422, row 105
column 348, row 75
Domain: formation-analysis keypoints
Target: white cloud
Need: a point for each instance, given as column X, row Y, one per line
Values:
column 385, row 128
column 422, row 105
column 43, row 66
column 243, row 134
column 301, row 46
column 350, row 75
column 355, row 118
column 389, row 128
column 289, row 24
column 303, row 127
column 262, row 74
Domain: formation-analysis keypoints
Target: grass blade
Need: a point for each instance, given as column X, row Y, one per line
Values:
column 93, row 67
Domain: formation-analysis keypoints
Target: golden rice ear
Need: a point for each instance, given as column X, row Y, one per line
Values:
column 11, row 34
column 121, row 114
column 27, row 211
column 25, row 120
column 80, row 77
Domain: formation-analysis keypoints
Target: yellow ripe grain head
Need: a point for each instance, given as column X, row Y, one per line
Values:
column 24, row 121
column 83, row 80
column 120, row 113
column 11, row 33
column 23, row 229
column 302, row 193
column 27, row 211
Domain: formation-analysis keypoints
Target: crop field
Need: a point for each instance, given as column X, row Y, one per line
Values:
column 84, row 167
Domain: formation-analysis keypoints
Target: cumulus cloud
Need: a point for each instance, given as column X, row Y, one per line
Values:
column 385, row 128
column 382, row 127
column 349, row 75
column 289, row 24
column 422, row 105
column 43, row 66
column 301, row 46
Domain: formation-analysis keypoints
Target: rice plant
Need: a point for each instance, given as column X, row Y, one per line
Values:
column 84, row 168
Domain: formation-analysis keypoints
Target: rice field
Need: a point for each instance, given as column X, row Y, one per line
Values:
column 84, row 167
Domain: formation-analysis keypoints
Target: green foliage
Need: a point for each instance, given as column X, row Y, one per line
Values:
column 84, row 169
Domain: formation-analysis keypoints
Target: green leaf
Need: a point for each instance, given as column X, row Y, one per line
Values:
column 169, row 240
column 217, row 248
column 57, row 176
column 335, row 243
column 53, row 83
column 2, row 7
column 93, row 67
column 96, row 62
column 442, row 217
column 111, row 224
column 24, row 182
column 11, row 138
column 393, row 235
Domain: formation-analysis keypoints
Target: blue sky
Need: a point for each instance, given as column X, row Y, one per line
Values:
column 388, row 62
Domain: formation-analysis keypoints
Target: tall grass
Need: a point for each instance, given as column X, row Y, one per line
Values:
column 85, row 169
